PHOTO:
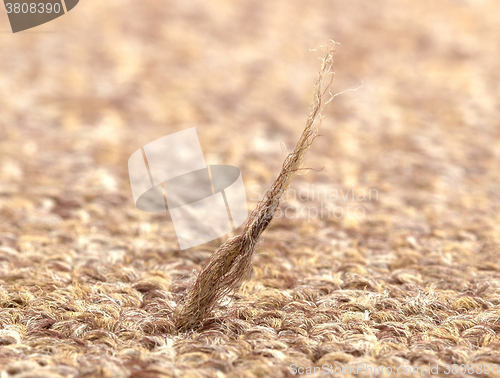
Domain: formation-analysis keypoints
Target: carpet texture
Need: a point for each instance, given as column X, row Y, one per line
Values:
column 385, row 255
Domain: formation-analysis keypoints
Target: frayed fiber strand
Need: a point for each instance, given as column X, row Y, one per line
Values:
column 232, row 260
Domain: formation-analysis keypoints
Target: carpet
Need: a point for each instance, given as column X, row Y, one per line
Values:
column 384, row 258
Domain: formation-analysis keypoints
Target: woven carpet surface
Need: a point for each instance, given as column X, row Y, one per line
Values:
column 386, row 252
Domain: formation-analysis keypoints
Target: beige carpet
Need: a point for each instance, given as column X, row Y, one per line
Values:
column 407, row 278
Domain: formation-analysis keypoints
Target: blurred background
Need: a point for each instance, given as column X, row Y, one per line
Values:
column 80, row 94
column 83, row 92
